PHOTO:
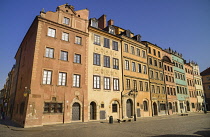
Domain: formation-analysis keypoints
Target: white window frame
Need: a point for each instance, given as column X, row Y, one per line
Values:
column 78, row 40
column 62, row 79
column 106, row 83
column 126, row 64
column 116, row 84
column 51, row 32
column 64, row 55
column 65, row 36
column 96, row 82
column 49, row 52
column 77, row 58
column 76, row 80
column 66, row 20
column 133, row 66
column 97, row 40
column 47, row 77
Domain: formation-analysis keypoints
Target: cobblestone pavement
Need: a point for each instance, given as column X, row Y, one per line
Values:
column 193, row 125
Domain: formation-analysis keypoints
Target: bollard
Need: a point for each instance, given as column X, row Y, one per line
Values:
column 111, row 120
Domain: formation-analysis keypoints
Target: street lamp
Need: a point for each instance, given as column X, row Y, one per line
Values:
column 134, row 92
column 26, row 92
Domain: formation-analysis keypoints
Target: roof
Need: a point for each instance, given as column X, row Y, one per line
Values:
column 206, row 72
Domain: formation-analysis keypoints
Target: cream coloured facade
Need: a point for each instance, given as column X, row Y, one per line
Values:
column 104, row 72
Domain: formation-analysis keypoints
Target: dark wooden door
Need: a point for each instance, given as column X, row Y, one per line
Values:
column 76, row 111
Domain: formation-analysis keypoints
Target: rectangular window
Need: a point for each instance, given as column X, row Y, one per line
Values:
column 157, row 76
column 115, row 63
column 134, row 84
column 133, row 66
column 106, row 43
column 106, row 83
column 126, row 47
column 97, row 40
column 77, row 58
column 65, row 20
column 143, row 54
column 153, row 89
column 128, row 84
column 115, row 45
column 49, row 52
column 154, row 52
column 138, row 52
column 150, row 61
column 62, row 79
column 149, row 50
column 158, row 89
column 145, row 69
column 151, row 74
column 64, row 56
column 141, row 85
column 116, row 84
column 155, row 62
column 96, row 59
column 159, row 54
column 47, row 77
column 50, row 107
column 96, row 82
column 126, row 65
column 114, row 107
column 146, row 86
column 132, row 50
column 139, row 68
column 51, row 32
column 78, row 40
column 160, row 64
column 76, row 80
column 106, row 61
column 65, row 36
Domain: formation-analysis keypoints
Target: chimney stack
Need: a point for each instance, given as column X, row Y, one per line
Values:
column 102, row 22
column 111, row 22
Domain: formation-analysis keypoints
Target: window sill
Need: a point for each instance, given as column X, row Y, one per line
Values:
column 77, row 63
column 51, row 37
column 48, row 57
column 78, row 44
column 63, row 60
column 65, row 41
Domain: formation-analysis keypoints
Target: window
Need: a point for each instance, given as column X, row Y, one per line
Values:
column 133, row 66
column 145, row 106
column 96, row 59
column 65, row 36
column 97, row 40
column 114, row 107
column 51, row 32
column 126, row 47
column 161, row 76
column 158, row 89
column 64, row 56
column 143, row 54
column 78, row 40
column 47, row 77
column 50, row 107
column 149, row 50
column 154, row 52
column 65, row 20
column 159, row 54
column 127, row 83
column 160, row 64
column 76, row 80
column 77, row 58
column 132, row 50
column 62, row 79
column 145, row 69
column 111, row 30
column 162, row 106
column 106, row 43
column 181, row 105
column 141, row 85
column 106, row 83
column 166, row 77
column 139, row 68
column 163, row 90
column 115, row 63
column 138, row 52
column 153, row 89
column 106, row 61
column 115, row 45
column 146, row 86
column 49, row 53
column 116, row 84
column 96, row 82
column 157, row 75
column 150, row 61
column 151, row 74
column 134, row 84
column 126, row 64
column 155, row 62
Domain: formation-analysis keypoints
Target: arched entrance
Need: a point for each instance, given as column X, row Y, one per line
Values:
column 76, row 111
column 155, row 112
column 188, row 106
column 129, row 108
column 92, row 111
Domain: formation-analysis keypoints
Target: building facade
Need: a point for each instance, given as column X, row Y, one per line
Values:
column 170, row 85
column 156, row 79
column 206, row 86
column 104, row 71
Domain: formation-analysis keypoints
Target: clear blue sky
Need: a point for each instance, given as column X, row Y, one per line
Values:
column 183, row 25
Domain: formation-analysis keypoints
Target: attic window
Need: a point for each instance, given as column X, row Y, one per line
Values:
column 111, row 30
column 67, row 11
column 78, row 15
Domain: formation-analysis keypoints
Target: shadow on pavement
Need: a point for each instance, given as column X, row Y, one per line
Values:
column 203, row 133
column 9, row 123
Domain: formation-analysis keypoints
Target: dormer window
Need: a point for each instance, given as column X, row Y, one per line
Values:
column 111, row 30
column 128, row 33
column 94, row 22
column 65, row 20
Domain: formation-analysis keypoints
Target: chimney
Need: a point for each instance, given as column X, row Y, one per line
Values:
column 102, row 22
column 111, row 22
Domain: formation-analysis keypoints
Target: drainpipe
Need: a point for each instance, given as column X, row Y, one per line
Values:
column 122, row 79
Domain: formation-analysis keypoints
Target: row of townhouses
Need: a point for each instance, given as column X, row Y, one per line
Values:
column 72, row 68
